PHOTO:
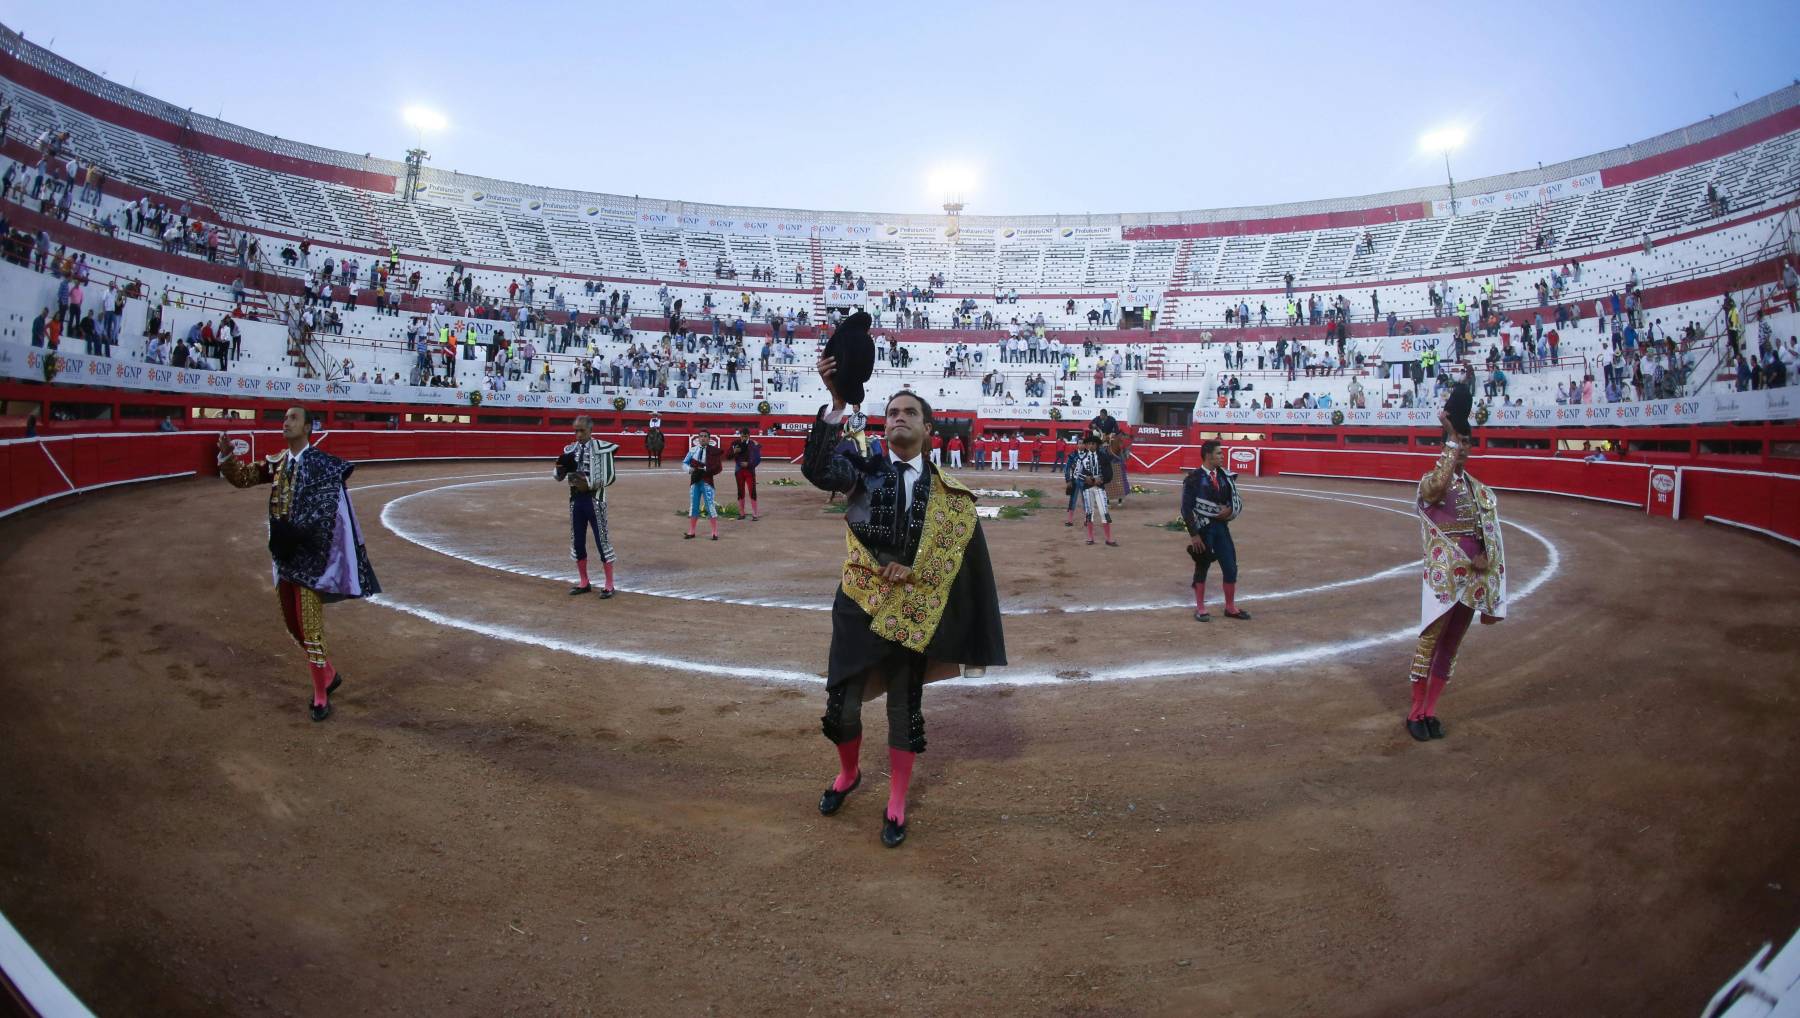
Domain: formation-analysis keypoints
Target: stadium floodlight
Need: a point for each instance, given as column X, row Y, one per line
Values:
column 951, row 182
column 421, row 119
column 1444, row 139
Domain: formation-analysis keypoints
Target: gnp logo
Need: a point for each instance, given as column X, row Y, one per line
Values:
column 188, row 378
column 1662, row 483
column 136, row 371
column 218, row 381
column 248, row 384
column 278, row 385
column 1658, row 409
column 160, row 375
column 1537, row 414
column 1387, row 415
column 859, row 231
column 755, row 226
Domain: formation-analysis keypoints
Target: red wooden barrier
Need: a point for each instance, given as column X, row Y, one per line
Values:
column 38, row 470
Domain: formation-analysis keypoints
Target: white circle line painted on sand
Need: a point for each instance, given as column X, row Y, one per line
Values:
column 590, row 650
column 1167, row 668
column 427, row 480
column 389, row 521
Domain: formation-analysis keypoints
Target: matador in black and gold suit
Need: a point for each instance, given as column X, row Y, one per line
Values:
column 895, row 637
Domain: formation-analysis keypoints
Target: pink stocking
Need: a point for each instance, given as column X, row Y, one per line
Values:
column 321, row 677
column 848, row 756
column 1418, row 699
column 900, row 763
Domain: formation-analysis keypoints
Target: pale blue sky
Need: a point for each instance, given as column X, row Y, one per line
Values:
column 1060, row 107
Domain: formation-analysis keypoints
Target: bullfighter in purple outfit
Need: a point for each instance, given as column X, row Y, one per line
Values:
column 314, row 541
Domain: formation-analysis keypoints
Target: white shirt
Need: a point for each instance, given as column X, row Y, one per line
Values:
column 908, row 478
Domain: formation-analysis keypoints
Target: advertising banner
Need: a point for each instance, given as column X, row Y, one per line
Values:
column 1410, row 348
column 1710, row 408
column 1519, row 196
column 849, row 231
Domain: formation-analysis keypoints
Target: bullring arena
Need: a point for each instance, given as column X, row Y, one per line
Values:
column 525, row 802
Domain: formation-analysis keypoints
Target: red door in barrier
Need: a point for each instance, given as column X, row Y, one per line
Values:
column 1665, row 493
column 1245, row 461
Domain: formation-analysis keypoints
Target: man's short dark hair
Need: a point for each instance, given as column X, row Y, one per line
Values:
column 306, row 416
column 924, row 407
column 1208, row 446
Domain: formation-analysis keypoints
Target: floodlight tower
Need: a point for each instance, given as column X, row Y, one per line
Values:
column 1443, row 140
column 421, row 120
column 415, row 161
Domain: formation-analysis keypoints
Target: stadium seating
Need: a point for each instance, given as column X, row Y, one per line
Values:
column 1646, row 212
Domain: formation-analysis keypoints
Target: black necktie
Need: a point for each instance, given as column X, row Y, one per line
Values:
column 905, row 486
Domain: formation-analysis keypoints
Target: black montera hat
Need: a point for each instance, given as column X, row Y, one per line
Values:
column 1457, row 407
column 854, row 351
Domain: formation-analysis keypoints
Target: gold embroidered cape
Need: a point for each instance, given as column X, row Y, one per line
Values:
column 909, row 613
column 1450, row 577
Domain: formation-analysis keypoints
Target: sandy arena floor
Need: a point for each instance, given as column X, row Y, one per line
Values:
column 528, row 803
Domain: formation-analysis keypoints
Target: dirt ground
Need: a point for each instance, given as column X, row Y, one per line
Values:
column 528, row 803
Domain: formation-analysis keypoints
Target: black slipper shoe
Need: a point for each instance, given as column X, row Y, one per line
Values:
column 833, row 800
